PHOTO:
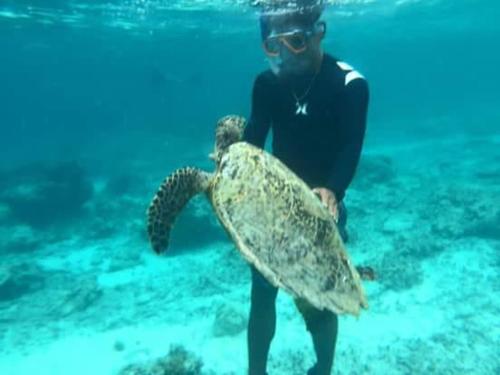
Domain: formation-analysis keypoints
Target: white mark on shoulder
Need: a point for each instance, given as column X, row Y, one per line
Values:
column 351, row 74
column 344, row 66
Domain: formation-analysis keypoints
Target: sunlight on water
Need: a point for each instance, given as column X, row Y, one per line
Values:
column 157, row 14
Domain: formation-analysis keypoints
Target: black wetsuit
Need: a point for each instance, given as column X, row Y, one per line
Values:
column 321, row 144
column 322, row 147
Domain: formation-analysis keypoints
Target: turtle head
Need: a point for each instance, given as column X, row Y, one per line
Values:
column 229, row 130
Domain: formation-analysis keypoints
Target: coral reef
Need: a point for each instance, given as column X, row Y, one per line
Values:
column 18, row 280
column 121, row 184
column 43, row 194
column 290, row 362
column 111, row 214
column 411, row 246
column 35, row 297
column 399, row 271
column 459, row 211
column 124, row 258
column 432, row 356
column 4, row 212
column 229, row 321
column 397, row 224
column 21, row 238
column 373, row 170
column 178, row 361
column 196, row 227
column 488, row 228
column 84, row 294
column 444, row 352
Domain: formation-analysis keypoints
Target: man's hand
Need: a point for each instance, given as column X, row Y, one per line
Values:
column 329, row 200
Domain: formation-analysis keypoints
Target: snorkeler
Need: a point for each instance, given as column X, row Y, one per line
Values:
column 316, row 107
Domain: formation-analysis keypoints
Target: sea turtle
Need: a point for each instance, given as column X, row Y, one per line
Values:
column 276, row 221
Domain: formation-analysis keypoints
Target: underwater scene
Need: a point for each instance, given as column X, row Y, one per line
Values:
column 101, row 100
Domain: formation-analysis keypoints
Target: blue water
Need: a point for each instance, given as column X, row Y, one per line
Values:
column 100, row 100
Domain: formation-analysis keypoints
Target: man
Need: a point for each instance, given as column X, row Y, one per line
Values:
column 316, row 107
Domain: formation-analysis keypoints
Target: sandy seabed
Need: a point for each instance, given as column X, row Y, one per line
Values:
column 424, row 215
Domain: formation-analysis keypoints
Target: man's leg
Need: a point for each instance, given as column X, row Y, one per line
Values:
column 323, row 327
column 323, row 324
column 261, row 324
column 323, row 330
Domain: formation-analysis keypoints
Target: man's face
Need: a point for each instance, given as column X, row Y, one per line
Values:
column 292, row 48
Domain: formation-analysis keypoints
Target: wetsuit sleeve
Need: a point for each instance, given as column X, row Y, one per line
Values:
column 260, row 118
column 352, row 133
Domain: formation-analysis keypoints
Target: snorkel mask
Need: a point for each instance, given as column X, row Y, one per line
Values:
column 295, row 40
column 286, row 28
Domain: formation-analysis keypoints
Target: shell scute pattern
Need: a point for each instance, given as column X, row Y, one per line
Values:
column 282, row 228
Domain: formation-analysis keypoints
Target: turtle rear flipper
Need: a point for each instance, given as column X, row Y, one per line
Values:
column 173, row 194
column 366, row 273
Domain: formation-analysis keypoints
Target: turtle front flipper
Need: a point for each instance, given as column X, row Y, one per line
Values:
column 174, row 193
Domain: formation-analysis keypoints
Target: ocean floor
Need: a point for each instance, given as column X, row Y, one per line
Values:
column 90, row 297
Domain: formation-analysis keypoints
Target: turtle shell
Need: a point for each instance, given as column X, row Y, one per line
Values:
column 280, row 226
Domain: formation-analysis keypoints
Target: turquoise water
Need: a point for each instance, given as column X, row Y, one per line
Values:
column 100, row 100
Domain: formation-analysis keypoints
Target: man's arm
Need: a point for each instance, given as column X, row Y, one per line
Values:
column 260, row 118
column 353, row 133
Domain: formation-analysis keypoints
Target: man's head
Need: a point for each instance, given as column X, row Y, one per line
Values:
column 291, row 36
